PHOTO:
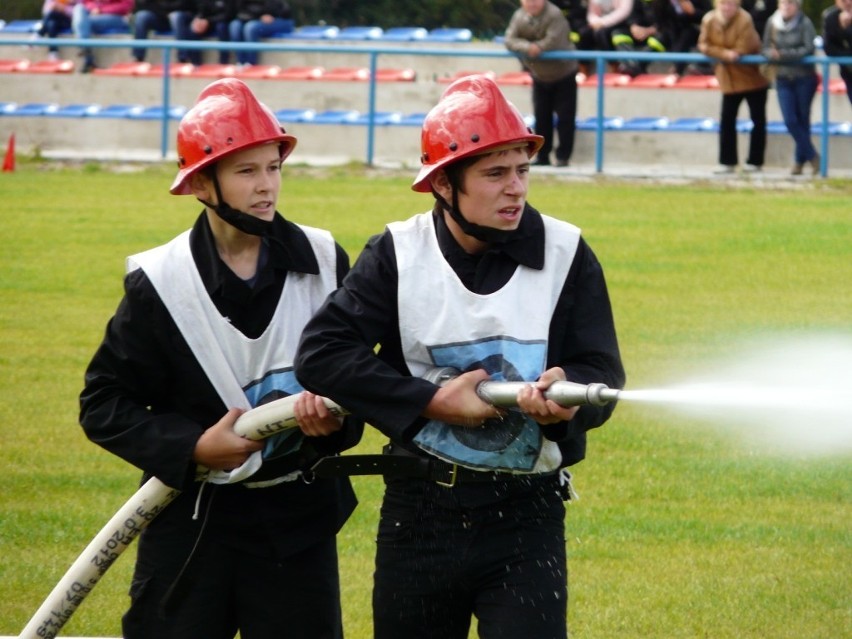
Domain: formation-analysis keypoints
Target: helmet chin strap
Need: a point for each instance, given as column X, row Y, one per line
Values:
column 242, row 221
column 486, row 234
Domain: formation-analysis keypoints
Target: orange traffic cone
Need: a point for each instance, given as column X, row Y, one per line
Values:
column 9, row 160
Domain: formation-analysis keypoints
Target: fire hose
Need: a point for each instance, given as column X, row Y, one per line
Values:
column 259, row 423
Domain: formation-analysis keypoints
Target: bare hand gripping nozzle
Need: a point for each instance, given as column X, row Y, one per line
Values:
column 505, row 394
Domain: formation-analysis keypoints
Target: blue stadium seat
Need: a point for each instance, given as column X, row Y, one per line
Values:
column 694, row 124
column 119, row 110
column 380, row 118
column 21, row 26
column 33, row 108
column 360, row 33
column 8, row 107
column 444, row 34
column 645, row 124
column 295, row 115
column 609, row 123
column 412, row 119
column 775, row 126
column 76, row 111
column 314, row 32
column 744, row 126
column 156, row 113
column 404, row 34
column 342, row 116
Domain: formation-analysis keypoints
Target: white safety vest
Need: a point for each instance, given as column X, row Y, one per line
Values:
column 442, row 324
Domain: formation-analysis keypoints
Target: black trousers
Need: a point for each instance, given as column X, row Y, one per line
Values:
column 559, row 97
column 493, row 550
column 223, row 590
column 731, row 102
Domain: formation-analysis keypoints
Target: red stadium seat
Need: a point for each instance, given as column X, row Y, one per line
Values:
column 697, row 82
column 259, row 72
column 396, row 75
column 346, row 74
column 300, row 73
column 124, row 69
column 653, row 81
column 50, row 66
column 11, row 66
column 463, row 74
column 213, row 71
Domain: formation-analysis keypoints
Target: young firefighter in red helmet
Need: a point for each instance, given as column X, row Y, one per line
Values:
column 485, row 284
column 207, row 329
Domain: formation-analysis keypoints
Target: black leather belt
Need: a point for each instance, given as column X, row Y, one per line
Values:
column 399, row 462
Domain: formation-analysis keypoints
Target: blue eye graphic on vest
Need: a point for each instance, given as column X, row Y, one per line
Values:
column 275, row 385
column 511, row 444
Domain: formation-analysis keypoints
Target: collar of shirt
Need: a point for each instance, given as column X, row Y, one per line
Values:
column 289, row 250
column 487, row 272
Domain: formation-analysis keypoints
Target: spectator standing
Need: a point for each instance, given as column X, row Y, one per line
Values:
column 96, row 17
column 211, row 20
column 536, row 27
column 207, row 328
column 56, row 18
column 837, row 37
column 727, row 33
column 256, row 20
column 477, row 527
column 163, row 15
column 789, row 37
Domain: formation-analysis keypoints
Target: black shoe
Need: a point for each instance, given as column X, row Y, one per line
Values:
column 561, row 163
column 541, row 162
column 88, row 67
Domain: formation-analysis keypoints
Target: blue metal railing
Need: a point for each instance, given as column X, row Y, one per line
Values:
column 600, row 59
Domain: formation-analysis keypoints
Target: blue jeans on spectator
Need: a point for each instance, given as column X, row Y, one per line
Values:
column 795, row 96
column 177, row 22
column 53, row 24
column 255, row 31
column 86, row 25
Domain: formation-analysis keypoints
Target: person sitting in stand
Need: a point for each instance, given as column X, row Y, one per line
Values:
column 609, row 30
column 96, row 17
column 211, row 20
column 55, row 19
column 163, row 16
column 256, row 20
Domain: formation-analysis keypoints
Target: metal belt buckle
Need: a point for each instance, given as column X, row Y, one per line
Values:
column 453, row 476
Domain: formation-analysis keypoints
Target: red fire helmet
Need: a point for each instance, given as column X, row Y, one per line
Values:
column 471, row 117
column 227, row 117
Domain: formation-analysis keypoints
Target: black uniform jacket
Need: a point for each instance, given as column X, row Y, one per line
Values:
column 147, row 400
column 336, row 353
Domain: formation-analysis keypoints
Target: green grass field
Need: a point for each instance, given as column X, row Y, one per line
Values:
column 682, row 530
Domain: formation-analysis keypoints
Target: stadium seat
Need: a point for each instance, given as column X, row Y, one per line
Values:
column 591, row 123
column 33, row 108
column 340, row 116
column 514, row 78
column 14, row 65
column 300, row 73
column 697, row 82
column 76, row 111
column 404, row 34
column 346, row 74
column 176, row 70
column 7, row 108
column 463, row 74
column 258, row 72
column 295, row 115
column 744, row 126
column 50, row 66
column 21, row 26
column 652, row 123
column 119, row 110
column 412, row 119
column 212, row 71
column 609, row 80
column 774, row 126
column 396, row 75
column 287, row 27
column 653, row 81
column 314, row 32
column 124, row 69
column 156, row 113
column 836, row 85
column 443, row 34
column 694, row 125
column 360, row 33
column 380, row 118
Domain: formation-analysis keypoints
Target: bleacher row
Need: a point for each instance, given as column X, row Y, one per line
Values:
column 390, row 118
column 362, row 74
